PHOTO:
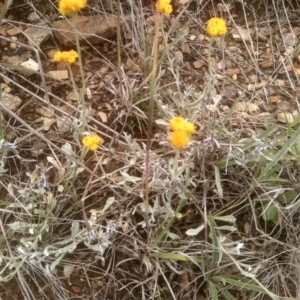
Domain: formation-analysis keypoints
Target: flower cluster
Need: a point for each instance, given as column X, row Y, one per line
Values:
column 92, row 141
column 164, row 6
column 216, row 27
column 181, row 130
column 66, row 56
column 71, row 7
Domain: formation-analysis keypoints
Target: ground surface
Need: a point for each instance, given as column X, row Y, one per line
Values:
column 224, row 212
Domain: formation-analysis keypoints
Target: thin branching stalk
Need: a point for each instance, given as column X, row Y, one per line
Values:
column 150, row 118
column 119, row 33
column 82, row 92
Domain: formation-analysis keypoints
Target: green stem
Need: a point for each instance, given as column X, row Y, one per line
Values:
column 172, row 220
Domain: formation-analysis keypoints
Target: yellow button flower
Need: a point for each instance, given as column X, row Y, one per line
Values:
column 71, row 7
column 189, row 127
column 92, row 141
column 179, row 138
column 66, row 56
column 181, row 130
column 216, row 27
column 164, row 6
column 178, row 123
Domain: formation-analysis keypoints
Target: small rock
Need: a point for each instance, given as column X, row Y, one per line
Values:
column 46, row 122
column 102, row 116
column 67, row 109
column 186, row 48
column 229, row 91
column 221, row 65
column 275, row 99
column 62, row 66
column 93, row 29
column 63, row 124
column 261, row 37
column 13, row 46
column 103, row 70
column 242, row 33
column 289, row 50
column 76, row 289
column 14, row 60
column 3, row 31
column 201, row 37
column 280, row 82
column 290, row 39
column 59, row 75
column 73, row 96
column 179, row 56
column 7, row 89
column 198, row 64
column 37, row 34
column 264, row 115
column 50, row 53
column 10, row 101
column 132, row 65
column 284, row 105
column 33, row 17
column 250, row 107
column 256, row 86
column 31, row 65
column 13, row 31
column 266, row 30
column 231, row 72
column 285, row 117
column 44, row 112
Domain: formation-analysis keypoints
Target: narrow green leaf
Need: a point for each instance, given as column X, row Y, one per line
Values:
column 224, row 292
column 240, row 283
column 215, row 250
column 175, row 256
column 285, row 148
column 213, row 291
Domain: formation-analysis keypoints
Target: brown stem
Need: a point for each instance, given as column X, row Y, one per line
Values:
column 150, row 121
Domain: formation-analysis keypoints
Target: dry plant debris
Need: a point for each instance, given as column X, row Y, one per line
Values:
column 221, row 165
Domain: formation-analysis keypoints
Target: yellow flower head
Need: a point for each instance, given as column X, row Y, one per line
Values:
column 66, row 56
column 71, row 7
column 189, row 127
column 181, row 130
column 216, row 27
column 92, row 141
column 178, row 123
column 179, row 138
column 164, row 6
